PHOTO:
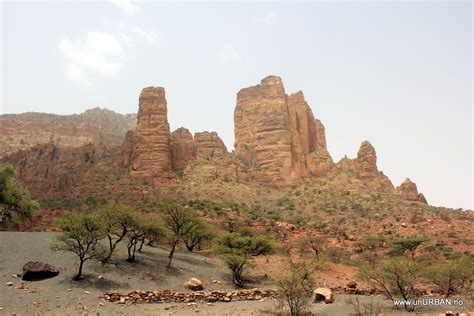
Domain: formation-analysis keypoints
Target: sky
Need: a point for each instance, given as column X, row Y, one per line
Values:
column 398, row 74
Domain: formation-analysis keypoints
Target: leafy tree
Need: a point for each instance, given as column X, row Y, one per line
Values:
column 295, row 283
column 316, row 243
column 81, row 235
column 177, row 220
column 15, row 201
column 451, row 276
column 118, row 220
column 397, row 278
column 236, row 250
column 370, row 245
column 406, row 245
column 143, row 227
column 197, row 233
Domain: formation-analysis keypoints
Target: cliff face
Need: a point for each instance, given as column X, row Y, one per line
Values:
column 150, row 156
column 279, row 132
column 21, row 131
column 278, row 142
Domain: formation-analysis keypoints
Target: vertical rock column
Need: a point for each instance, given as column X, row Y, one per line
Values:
column 151, row 145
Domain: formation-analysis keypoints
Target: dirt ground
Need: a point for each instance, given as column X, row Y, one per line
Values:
column 62, row 296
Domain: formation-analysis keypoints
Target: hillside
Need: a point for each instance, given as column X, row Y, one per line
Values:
column 21, row 131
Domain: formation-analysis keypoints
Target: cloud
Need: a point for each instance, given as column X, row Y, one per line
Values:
column 99, row 53
column 268, row 18
column 149, row 36
column 75, row 73
column 126, row 6
column 227, row 55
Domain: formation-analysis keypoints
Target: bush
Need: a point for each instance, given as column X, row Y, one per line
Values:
column 295, row 285
column 397, row 278
column 451, row 276
column 236, row 250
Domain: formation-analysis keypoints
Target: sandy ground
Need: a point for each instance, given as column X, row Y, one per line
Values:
column 62, row 296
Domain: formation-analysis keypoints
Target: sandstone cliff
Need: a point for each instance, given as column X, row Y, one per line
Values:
column 278, row 142
column 150, row 154
column 20, row 131
column 279, row 132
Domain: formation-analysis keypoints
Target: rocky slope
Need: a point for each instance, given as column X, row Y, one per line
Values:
column 278, row 143
column 21, row 131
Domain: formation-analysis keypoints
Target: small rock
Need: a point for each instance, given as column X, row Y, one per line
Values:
column 15, row 276
column 69, row 290
column 100, row 277
column 101, row 304
column 9, row 284
column 87, row 292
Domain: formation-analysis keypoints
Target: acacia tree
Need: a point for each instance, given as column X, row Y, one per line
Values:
column 15, row 201
column 236, row 250
column 81, row 235
column 370, row 246
column 196, row 233
column 406, row 245
column 145, row 226
column 118, row 220
column 177, row 220
column 316, row 243
column 396, row 278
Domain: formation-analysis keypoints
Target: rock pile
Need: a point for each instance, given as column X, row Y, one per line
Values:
column 168, row 296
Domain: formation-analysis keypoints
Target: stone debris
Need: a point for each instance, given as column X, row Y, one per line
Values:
column 9, row 284
column 168, row 296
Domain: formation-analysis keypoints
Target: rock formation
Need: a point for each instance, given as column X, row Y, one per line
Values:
column 208, row 145
column 367, row 160
column 278, row 132
column 278, row 141
column 409, row 191
column 151, row 151
column 21, row 131
column 182, row 149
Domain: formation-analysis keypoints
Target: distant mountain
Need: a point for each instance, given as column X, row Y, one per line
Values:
column 21, row 131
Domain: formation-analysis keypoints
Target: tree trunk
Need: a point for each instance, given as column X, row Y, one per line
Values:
column 78, row 276
column 175, row 242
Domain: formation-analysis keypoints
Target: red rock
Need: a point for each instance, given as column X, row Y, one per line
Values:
column 182, row 149
column 277, row 132
column 151, row 150
column 409, row 191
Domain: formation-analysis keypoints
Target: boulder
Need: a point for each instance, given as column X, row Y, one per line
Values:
column 193, row 284
column 323, row 294
column 35, row 270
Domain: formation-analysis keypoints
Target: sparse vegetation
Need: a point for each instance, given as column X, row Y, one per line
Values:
column 81, row 235
column 236, row 250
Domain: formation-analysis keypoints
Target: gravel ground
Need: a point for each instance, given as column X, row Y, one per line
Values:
column 62, row 296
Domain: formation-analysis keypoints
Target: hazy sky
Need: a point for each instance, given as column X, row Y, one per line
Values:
column 396, row 73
